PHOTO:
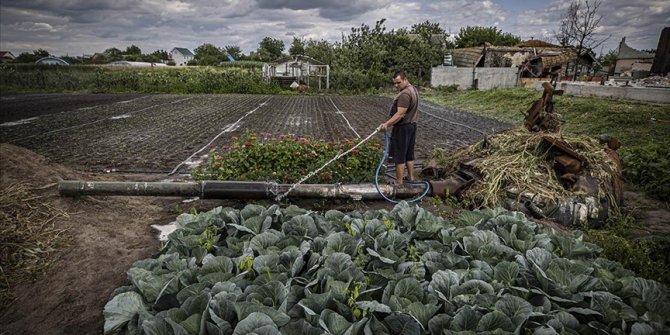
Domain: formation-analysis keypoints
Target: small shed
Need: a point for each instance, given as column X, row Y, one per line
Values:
column 300, row 69
column 51, row 61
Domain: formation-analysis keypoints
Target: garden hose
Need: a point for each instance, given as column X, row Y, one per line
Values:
column 379, row 167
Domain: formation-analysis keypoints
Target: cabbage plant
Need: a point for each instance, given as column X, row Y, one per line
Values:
column 288, row 270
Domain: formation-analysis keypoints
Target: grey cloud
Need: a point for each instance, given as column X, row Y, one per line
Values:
column 106, row 34
column 35, row 26
column 338, row 10
column 300, row 26
column 132, row 38
column 69, row 5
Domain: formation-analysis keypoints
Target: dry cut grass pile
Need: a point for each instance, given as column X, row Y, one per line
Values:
column 29, row 237
column 516, row 160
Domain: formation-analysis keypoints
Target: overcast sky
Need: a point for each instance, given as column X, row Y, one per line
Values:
column 77, row 27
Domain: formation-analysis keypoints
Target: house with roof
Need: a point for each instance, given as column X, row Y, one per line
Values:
column 181, row 56
column 6, row 56
column 631, row 62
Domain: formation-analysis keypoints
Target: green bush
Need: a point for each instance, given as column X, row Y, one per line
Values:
column 358, row 81
column 644, row 256
column 649, row 168
column 22, row 78
column 287, row 158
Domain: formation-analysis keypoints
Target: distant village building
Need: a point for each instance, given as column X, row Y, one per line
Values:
column 6, row 56
column 181, row 56
column 631, row 62
column 536, row 58
column 51, row 61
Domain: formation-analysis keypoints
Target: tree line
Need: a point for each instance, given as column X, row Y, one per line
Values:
column 371, row 53
column 369, row 48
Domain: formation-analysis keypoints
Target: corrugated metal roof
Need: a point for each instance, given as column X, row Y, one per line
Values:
column 467, row 57
column 563, row 58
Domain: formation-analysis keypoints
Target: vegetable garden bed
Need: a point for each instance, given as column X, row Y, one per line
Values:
column 405, row 271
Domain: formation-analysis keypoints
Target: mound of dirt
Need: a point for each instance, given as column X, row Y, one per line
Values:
column 108, row 234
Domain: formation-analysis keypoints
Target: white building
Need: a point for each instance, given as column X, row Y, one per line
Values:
column 135, row 64
column 181, row 56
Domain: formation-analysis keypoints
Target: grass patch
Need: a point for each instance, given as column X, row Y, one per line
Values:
column 631, row 122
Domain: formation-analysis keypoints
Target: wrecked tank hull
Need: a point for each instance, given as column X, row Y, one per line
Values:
column 573, row 180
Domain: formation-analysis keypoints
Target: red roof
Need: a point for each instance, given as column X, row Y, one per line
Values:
column 6, row 54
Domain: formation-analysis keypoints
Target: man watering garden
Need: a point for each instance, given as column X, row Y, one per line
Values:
column 403, row 118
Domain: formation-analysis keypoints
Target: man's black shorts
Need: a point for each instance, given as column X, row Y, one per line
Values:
column 402, row 142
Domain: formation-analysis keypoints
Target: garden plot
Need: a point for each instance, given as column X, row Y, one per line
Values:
column 16, row 107
column 160, row 132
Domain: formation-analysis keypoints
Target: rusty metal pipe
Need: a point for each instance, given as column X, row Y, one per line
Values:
column 234, row 190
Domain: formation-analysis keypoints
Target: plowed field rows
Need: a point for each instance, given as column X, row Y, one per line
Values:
column 158, row 132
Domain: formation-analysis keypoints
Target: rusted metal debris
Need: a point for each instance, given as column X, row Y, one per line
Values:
column 541, row 115
column 595, row 193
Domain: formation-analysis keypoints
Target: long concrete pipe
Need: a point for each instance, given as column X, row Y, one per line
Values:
column 236, row 190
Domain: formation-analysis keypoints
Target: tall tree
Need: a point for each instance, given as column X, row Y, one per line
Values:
column 609, row 59
column 432, row 46
column 26, row 57
column 297, row 47
column 320, row 50
column 208, row 54
column 233, row 50
column 428, row 30
column 270, row 49
column 476, row 36
column 133, row 50
column 113, row 54
column 579, row 25
column 365, row 49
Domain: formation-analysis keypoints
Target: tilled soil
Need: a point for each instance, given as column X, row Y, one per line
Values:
column 155, row 133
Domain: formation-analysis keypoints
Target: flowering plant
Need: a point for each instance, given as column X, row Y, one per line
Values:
column 286, row 158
